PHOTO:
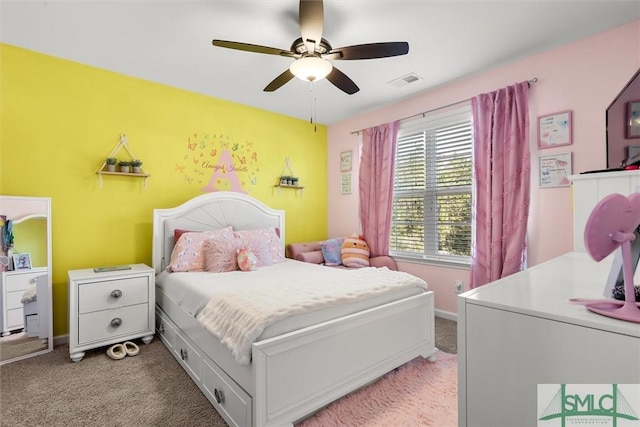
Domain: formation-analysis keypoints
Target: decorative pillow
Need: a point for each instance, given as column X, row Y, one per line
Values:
column 178, row 232
column 187, row 254
column 355, row 252
column 331, row 251
column 246, row 260
column 314, row 257
column 268, row 235
column 220, row 255
column 260, row 249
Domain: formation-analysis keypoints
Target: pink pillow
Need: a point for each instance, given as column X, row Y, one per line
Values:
column 314, row 257
column 267, row 235
column 220, row 255
column 187, row 254
column 178, row 232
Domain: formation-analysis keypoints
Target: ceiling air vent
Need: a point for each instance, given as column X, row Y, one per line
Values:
column 405, row 80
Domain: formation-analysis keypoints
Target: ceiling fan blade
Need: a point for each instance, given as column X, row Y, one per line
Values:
column 311, row 23
column 342, row 82
column 279, row 81
column 254, row 48
column 369, row 51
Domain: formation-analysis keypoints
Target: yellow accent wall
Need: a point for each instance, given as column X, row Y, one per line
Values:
column 59, row 120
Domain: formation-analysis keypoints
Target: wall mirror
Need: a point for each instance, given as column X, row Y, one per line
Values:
column 26, row 321
column 619, row 146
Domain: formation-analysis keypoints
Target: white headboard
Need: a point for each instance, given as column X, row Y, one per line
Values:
column 209, row 212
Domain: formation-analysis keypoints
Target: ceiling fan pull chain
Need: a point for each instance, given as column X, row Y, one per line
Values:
column 313, row 107
column 312, row 102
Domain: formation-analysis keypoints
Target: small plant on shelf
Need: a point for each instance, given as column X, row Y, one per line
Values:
column 136, row 164
column 124, row 166
column 110, row 164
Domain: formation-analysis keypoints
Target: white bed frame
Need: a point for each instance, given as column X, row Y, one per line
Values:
column 293, row 375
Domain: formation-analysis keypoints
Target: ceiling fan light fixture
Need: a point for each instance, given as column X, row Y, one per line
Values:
column 311, row 68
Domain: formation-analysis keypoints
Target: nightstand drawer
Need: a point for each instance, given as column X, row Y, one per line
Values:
column 18, row 281
column 96, row 296
column 109, row 324
column 15, row 318
column 14, row 300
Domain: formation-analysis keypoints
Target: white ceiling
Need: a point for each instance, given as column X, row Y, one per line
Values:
column 169, row 42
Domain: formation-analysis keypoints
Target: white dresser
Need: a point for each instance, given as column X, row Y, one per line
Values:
column 13, row 284
column 521, row 331
column 110, row 307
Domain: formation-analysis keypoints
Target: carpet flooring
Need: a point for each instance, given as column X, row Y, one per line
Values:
column 12, row 347
column 151, row 389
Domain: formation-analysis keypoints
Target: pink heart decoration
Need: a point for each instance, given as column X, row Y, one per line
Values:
column 614, row 213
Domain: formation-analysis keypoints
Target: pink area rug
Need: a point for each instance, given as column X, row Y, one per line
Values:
column 419, row 393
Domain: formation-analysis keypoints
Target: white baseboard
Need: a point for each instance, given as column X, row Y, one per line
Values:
column 446, row 315
column 60, row 340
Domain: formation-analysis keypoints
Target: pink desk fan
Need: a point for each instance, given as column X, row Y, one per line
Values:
column 611, row 225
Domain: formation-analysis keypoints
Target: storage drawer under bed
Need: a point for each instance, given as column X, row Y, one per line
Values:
column 226, row 396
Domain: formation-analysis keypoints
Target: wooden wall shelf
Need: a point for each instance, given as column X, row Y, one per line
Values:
column 122, row 144
column 297, row 187
column 142, row 175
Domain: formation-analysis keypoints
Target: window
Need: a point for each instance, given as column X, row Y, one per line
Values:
column 431, row 217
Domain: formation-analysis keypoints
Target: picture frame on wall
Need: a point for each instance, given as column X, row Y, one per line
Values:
column 22, row 261
column 554, row 170
column 346, row 185
column 555, row 130
column 346, row 161
column 633, row 119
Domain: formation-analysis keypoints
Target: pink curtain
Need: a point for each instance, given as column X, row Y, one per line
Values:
column 501, row 183
column 377, row 165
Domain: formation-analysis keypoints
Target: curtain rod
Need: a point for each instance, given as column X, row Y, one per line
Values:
column 530, row 81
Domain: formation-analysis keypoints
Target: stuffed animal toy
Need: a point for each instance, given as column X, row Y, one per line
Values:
column 246, row 259
column 355, row 252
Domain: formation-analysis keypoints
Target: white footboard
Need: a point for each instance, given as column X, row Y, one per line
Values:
column 302, row 371
column 297, row 373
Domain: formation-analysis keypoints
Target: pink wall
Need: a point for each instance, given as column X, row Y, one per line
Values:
column 584, row 76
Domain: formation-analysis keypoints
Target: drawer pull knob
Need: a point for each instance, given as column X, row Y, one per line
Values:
column 116, row 293
column 116, row 322
column 218, row 395
column 183, row 354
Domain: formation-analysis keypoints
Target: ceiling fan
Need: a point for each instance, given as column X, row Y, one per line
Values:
column 312, row 53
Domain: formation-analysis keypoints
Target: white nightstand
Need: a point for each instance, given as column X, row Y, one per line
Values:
column 13, row 284
column 110, row 307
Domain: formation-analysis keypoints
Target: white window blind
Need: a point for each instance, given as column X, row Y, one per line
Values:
column 431, row 217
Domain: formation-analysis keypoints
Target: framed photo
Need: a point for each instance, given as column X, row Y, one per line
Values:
column 633, row 119
column 22, row 261
column 554, row 130
column 554, row 170
column 346, row 161
column 345, row 183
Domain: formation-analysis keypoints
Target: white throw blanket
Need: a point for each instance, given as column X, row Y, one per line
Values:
column 239, row 318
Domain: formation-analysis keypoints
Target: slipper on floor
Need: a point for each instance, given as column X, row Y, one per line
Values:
column 117, row 352
column 131, row 348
